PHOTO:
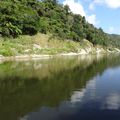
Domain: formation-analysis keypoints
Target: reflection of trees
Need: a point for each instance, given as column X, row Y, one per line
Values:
column 22, row 94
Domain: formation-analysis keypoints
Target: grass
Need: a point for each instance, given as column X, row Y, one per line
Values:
column 39, row 44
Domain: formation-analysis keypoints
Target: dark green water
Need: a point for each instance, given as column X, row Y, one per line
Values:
column 62, row 88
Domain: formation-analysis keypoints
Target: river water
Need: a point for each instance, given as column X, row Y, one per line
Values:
column 61, row 88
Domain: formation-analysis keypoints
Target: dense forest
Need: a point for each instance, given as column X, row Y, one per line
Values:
column 28, row 17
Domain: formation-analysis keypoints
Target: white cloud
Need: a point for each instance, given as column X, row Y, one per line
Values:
column 113, row 3
column 92, row 19
column 113, row 30
column 95, row 2
column 110, row 3
column 92, row 6
column 77, row 8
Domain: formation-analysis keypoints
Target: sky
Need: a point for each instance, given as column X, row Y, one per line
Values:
column 101, row 13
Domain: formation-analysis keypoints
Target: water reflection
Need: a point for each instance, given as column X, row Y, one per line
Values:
column 64, row 88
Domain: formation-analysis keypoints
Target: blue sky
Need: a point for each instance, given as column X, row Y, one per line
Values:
column 101, row 13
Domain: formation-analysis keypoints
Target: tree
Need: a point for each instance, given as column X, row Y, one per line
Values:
column 17, row 18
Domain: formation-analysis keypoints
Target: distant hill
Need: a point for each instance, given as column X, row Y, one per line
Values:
column 115, row 36
column 115, row 40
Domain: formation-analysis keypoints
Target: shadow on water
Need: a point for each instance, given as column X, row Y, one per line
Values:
column 61, row 88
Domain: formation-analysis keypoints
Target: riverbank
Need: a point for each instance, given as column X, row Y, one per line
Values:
column 43, row 46
column 35, row 57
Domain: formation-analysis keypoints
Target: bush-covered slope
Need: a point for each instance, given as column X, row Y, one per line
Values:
column 21, row 17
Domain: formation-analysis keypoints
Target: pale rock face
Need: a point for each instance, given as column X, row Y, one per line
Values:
column 28, row 50
column 35, row 46
column 83, row 51
column 89, row 50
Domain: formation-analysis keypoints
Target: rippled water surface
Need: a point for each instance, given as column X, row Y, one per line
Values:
column 61, row 88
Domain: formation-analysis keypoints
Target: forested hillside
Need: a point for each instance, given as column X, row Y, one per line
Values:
column 28, row 17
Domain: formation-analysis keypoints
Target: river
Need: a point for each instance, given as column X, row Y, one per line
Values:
column 61, row 88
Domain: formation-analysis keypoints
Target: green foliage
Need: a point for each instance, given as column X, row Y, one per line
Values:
column 43, row 24
column 47, row 16
column 16, row 18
